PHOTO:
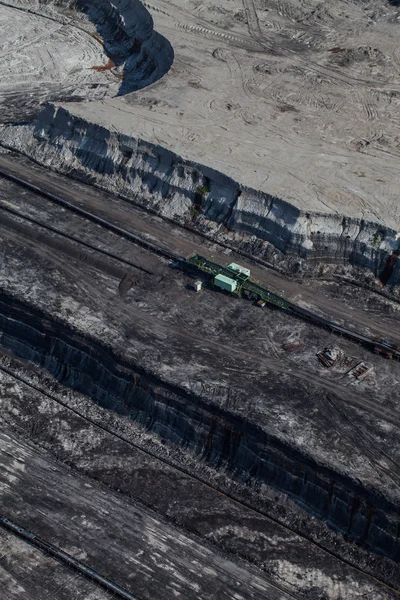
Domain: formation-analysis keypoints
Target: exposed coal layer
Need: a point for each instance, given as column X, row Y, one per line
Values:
column 190, row 193
column 221, row 439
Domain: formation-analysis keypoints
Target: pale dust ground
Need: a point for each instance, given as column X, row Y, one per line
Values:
column 39, row 50
column 301, row 101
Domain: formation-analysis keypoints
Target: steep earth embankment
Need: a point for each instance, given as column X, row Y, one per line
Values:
column 195, row 195
column 141, row 55
column 66, row 61
column 220, row 438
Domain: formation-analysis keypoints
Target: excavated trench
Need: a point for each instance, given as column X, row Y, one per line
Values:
column 183, row 191
column 225, row 441
column 138, row 56
column 199, row 197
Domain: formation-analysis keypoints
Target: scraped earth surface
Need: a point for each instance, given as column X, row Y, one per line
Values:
column 304, row 97
column 208, row 377
column 267, row 91
column 148, row 550
column 51, row 55
column 174, row 441
column 41, row 59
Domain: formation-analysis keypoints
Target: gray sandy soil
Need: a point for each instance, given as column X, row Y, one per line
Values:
column 168, row 439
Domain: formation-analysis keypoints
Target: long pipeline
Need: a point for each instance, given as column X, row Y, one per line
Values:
column 66, row 559
column 293, row 308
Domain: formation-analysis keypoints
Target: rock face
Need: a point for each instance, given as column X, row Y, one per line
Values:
column 142, row 55
column 189, row 192
column 220, row 438
column 73, row 65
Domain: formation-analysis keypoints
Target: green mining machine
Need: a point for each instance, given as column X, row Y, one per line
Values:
column 222, row 276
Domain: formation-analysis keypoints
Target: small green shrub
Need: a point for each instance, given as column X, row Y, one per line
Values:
column 203, row 190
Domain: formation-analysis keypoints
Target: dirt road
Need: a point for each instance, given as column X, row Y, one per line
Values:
column 184, row 242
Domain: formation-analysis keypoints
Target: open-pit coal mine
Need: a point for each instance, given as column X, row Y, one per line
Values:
column 199, row 300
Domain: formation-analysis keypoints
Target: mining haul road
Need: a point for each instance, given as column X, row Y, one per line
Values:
column 125, row 542
column 120, row 212
column 153, row 322
column 181, row 241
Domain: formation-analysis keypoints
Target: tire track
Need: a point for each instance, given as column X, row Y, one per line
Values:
column 203, row 482
column 233, row 39
column 368, row 105
column 360, row 437
column 66, row 236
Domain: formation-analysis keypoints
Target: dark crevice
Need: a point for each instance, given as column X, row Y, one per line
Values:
column 224, row 440
column 388, row 268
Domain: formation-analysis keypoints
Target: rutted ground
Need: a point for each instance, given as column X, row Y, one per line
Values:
column 223, row 438
column 292, row 113
column 47, row 55
column 203, row 198
column 282, row 557
column 271, row 127
column 106, row 526
column 24, row 569
column 194, row 328
column 44, row 59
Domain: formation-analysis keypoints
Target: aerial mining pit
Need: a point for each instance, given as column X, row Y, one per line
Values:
column 204, row 199
column 133, row 339
column 205, row 420
column 44, row 415
column 210, row 432
column 318, row 163
column 199, row 299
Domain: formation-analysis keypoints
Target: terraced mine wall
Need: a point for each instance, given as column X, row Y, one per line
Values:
column 198, row 196
column 224, row 440
column 122, row 29
column 127, row 30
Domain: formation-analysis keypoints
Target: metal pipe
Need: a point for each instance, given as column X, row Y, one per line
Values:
column 66, row 559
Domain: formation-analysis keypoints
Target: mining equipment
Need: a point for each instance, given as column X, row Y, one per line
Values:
column 245, row 287
column 234, row 279
column 385, row 352
column 388, row 343
column 360, row 371
column 385, row 348
column 239, row 269
column 330, row 356
column 225, row 283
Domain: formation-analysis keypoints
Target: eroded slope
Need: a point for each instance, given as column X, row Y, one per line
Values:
column 76, row 51
column 276, row 127
column 198, row 196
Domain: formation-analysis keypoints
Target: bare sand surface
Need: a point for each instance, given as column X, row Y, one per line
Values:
column 300, row 100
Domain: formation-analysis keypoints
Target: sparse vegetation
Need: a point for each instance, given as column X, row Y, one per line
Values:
column 203, row 190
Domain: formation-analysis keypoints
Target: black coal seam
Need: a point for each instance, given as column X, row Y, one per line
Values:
column 115, row 364
column 234, row 435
